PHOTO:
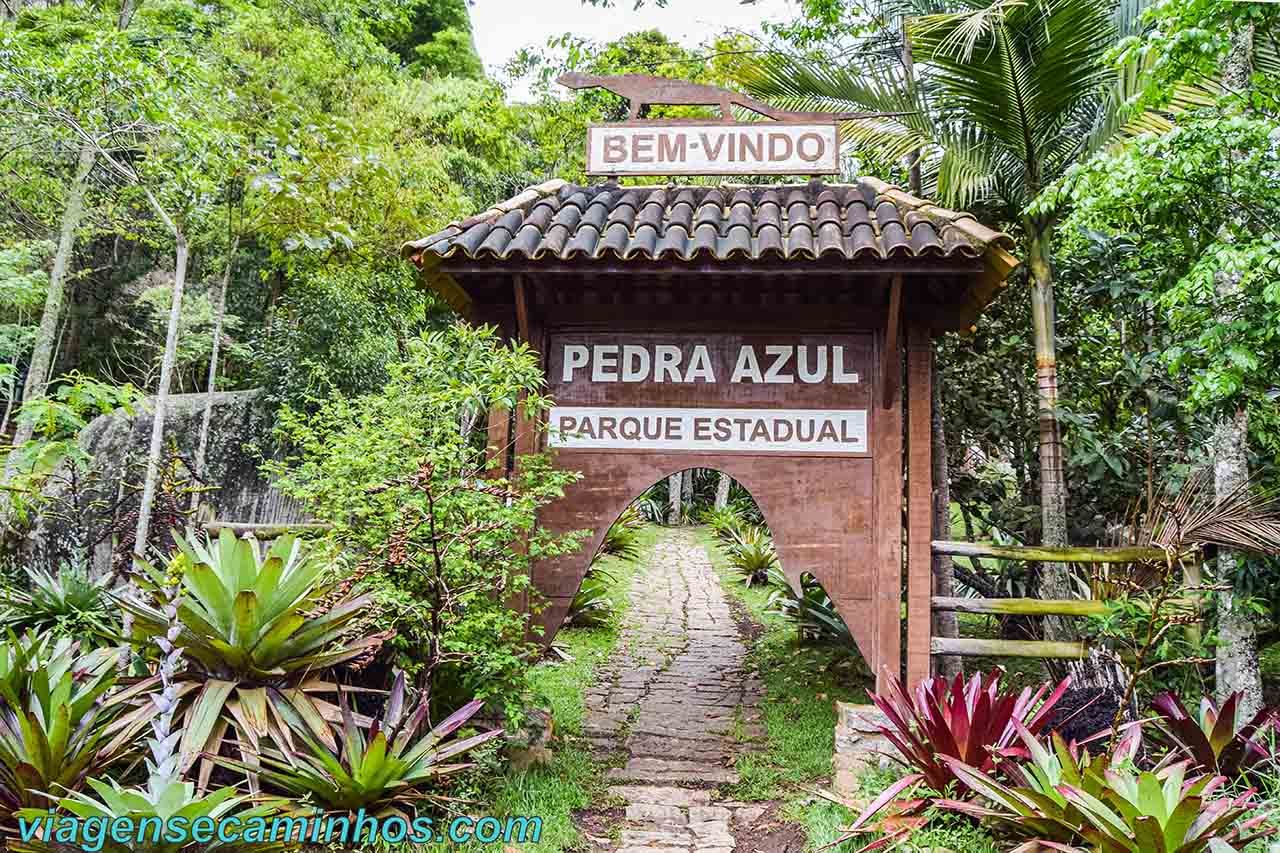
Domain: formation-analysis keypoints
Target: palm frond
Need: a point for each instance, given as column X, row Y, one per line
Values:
column 1266, row 54
column 1246, row 518
column 794, row 84
column 1122, row 113
column 967, row 169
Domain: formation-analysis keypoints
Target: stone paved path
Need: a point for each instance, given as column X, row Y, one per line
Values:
column 676, row 702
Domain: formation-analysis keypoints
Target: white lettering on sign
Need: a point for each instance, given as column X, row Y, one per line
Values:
column 756, row 148
column 773, row 365
column 717, row 430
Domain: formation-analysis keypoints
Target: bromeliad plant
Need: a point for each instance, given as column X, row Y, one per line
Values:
column 145, row 809
column 752, row 555
column 1032, row 806
column 591, row 605
column 68, row 604
column 1164, row 812
column 812, row 610
column 53, row 719
column 971, row 722
column 166, row 796
column 1217, row 740
column 395, row 764
column 622, row 539
column 724, row 523
column 253, row 622
column 1063, row 799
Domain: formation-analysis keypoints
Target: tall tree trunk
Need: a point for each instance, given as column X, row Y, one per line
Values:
column 909, row 73
column 1055, row 578
column 686, row 489
column 722, row 490
column 1237, row 654
column 162, row 394
column 944, row 623
column 220, row 312
column 674, row 494
column 47, row 336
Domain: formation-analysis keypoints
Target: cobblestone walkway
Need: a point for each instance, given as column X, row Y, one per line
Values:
column 676, row 702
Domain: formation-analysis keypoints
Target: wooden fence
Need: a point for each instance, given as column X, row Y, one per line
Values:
column 970, row 647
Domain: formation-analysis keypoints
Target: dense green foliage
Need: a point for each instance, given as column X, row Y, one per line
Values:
column 416, row 501
column 292, row 147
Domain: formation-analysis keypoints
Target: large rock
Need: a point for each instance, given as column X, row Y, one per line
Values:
column 117, row 444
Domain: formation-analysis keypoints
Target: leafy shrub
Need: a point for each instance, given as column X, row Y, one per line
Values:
column 448, row 542
column 1217, row 741
column 253, row 620
column 66, row 604
column 54, row 718
column 752, row 555
column 395, row 765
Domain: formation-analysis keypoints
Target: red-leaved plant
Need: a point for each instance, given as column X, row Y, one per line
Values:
column 1217, row 740
column 972, row 722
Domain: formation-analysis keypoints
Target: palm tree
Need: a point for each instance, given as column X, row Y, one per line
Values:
column 1007, row 96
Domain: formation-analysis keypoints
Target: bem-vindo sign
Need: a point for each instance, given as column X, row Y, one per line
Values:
column 626, row 380
column 714, row 149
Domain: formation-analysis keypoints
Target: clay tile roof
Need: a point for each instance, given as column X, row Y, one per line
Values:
column 863, row 221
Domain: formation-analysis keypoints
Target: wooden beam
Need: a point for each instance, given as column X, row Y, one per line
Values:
column 919, row 501
column 1022, row 606
column 967, row 647
column 446, row 287
column 266, row 531
column 1048, row 554
column 890, row 372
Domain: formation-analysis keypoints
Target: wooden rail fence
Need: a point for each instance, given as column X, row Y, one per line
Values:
column 970, row 647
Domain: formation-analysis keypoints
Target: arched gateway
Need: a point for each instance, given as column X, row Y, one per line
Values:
column 770, row 332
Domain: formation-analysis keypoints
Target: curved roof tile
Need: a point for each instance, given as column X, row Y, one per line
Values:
column 863, row 221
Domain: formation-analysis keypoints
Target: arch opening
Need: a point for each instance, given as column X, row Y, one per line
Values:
column 737, row 530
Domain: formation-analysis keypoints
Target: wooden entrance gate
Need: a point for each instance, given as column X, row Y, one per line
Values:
column 770, row 332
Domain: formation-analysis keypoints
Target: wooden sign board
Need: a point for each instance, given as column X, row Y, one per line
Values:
column 681, row 148
column 714, row 393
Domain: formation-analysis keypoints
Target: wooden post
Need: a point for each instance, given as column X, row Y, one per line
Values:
column 498, row 441
column 889, row 372
column 919, row 503
column 529, row 331
column 887, row 422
